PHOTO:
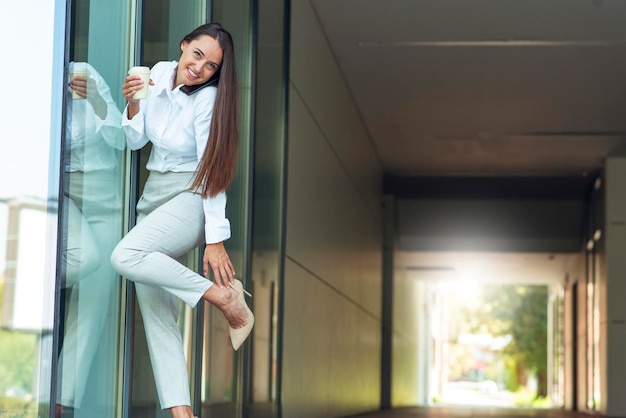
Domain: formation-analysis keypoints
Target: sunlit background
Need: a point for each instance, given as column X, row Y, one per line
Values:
column 496, row 350
column 25, row 127
column 26, row 37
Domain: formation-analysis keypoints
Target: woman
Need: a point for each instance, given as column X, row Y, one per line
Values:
column 190, row 118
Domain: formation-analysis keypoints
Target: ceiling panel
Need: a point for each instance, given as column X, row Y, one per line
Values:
column 484, row 87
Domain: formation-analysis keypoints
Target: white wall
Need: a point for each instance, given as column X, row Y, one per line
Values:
column 332, row 329
column 406, row 388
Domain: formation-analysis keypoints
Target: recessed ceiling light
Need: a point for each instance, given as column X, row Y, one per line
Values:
column 493, row 43
column 430, row 268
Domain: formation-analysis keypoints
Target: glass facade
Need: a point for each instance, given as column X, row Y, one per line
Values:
column 72, row 342
column 269, row 197
column 161, row 25
column 268, row 208
column 92, row 209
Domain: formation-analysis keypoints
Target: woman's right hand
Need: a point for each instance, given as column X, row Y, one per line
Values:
column 131, row 85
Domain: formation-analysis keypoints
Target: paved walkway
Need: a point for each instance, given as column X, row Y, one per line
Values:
column 472, row 412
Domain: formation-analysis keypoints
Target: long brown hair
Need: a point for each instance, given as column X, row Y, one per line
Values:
column 216, row 168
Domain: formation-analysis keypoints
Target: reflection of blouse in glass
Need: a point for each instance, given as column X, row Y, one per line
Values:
column 178, row 126
column 91, row 141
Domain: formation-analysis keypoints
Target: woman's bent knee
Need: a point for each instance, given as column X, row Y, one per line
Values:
column 123, row 259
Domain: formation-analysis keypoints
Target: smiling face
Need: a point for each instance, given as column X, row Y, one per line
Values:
column 200, row 59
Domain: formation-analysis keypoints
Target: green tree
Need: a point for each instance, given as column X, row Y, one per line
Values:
column 522, row 312
column 17, row 358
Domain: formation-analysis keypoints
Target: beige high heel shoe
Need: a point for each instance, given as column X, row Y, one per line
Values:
column 239, row 335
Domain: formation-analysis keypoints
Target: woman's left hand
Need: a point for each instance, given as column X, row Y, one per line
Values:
column 215, row 255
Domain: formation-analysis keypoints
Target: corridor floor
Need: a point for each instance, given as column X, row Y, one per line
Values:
column 471, row 412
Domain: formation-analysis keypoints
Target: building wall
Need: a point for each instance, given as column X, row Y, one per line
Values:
column 494, row 224
column 595, row 316
column 332, row 304
column 612, row 291
column 572, row 309
column 582, row 347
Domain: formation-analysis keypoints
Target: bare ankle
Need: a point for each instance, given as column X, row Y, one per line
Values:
column 227, row 301
column 219, row 297
column 182, row 411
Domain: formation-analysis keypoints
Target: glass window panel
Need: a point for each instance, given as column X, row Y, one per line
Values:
column 92, row 209
column 223, row 373
column 268, row 216
column 164, row 24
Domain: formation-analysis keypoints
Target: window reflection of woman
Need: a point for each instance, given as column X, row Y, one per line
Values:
column 92, row 203
column 190, row 117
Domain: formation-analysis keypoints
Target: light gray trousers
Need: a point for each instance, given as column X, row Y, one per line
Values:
column 170, row 223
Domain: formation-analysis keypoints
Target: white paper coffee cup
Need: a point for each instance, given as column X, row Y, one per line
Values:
column 75, row 73
column 144, row 73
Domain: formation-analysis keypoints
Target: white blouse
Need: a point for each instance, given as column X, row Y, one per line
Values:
column 177, row 125
column 92, row 143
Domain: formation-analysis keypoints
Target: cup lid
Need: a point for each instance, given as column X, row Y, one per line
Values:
column 139, row 70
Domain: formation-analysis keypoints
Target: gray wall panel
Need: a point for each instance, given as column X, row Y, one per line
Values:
column 317, row 79
column 331, row 364
column 328, row 230
column 332, row 307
